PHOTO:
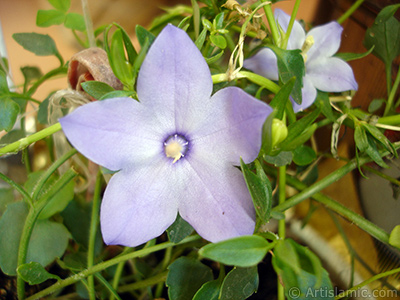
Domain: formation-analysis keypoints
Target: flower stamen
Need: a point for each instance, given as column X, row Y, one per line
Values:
column 308, row 43
column 175, row 147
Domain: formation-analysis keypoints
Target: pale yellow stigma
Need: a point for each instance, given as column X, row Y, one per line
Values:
column 308, row 43
column 174, row 150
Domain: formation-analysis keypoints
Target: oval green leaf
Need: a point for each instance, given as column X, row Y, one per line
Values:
column 244, row 251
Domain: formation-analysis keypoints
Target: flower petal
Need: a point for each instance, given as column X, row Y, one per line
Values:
column 107, row 132
column 309, row 94
column 232, row 128
column 331, row 75
column 174, row 79
column 326, row 40
column 138, row 205
column 297, row 36
column 264, row 63
column 218, row 204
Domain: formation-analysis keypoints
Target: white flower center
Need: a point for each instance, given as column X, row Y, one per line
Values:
column 308, row 43
column 175, row 146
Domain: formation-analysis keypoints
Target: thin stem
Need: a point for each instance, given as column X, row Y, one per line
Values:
column 118, row 272
column 52, row 73
column 88, row 23
column 392, row 94
column 159, row 278
column 382, row 175
column 92, row 232
column 291, row 22
column 350, row 11
column 17, row 187
column 281, row 223
column 104, row 265
column 390, row 120
column 366, row 282
column 272, row 24
column 30, row 221
column 260, row 80
column 17, row 146
column 313, row 192
column 42, row 180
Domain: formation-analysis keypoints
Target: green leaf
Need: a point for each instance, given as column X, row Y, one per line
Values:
column 380, row 137
column 209, row 291
column 394, row 238
column 291, row 64
column 200, row 40
column 281, row 98
column 3, row 83
column 239, row 284
column 266, row 143
column 373, row 152
column 9, row 110
column 185, row 277
column 283, row 158
column 301, row 272
column 142, row 34
column 62, row 5
column 40, row 44
column 120, row 66
column 244, row 251
column 48, row 240
column 360, row 138
column 354, row 56
column 76, row 218
column 117, row 94
column 42, row 114
column 75, row 21
column 96, row 89
column 46, row 18
column 303, row 155
column 384, row 36
column 34, row 273
column 375, row 105
column 130, row 50
column 323, row 103
column 300, row 131
column 218, row 40
column 30, row 74
column 387, row 12
column 6, row 197
column 260, row 190
column 179, row 230
column 214, row 58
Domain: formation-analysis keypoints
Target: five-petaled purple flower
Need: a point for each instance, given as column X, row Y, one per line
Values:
column 174, row 150
column 323, row 71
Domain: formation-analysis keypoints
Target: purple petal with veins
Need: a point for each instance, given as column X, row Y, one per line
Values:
column 174, row 150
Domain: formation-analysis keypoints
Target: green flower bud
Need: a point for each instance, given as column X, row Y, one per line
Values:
column 279, row 132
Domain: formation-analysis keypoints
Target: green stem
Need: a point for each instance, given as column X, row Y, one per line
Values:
column 52, row 73
column 17, row 187
column 118, row 272
column 260, row 80
column 88, row 23
column 272, row 24
column 23, row 97
column 46, row 175
column 382, row 175
column 313, row 192
column 104, row 265
column 25, row 142
column 392, row 94
column 350, row 11
column 366, row 282
column 390, row 120
column 92, row 232
column 291, row 22
column 144, row 283
column 30, row 221
column 281, row 223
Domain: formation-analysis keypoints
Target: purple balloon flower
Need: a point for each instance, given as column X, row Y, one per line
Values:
column 174, row 150
column 323, row 71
